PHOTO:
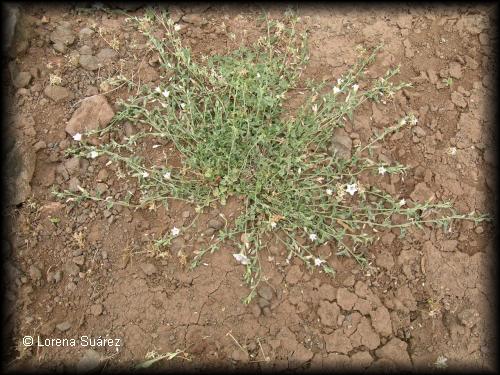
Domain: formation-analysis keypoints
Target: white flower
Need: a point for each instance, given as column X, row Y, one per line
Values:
column 336, row 90
column 315, row 108
column 441, row 362
column 177, row 27
column 165, row 93
column 340, row 81
column 77, row 137
column 318, row 261
column 158, row 90
column 402, row 202
column 241, row 258
column 94, row 154
column 183, row 105
column 329, row 191
column 403, row 121
column 175, row 231
column 351, row 188
column 355, row 87
column 382, row 170
column 273, row 224
column 167, row 176
column 313, row 237
column 414, row 121
column 145, row 174
column 258, row 75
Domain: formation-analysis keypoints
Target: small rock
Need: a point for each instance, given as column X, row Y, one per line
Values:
column 215, row 224
column 57, row 93
column 96, row 309
column 64, row 326
column 294, row 275
column 458, row 99
column 94, row 112
column 341, row 143
column 449, row 245
column 148, row 268
column 455, row 70
column 89, row 62
column 265, row 292
column 421, row 193
column 469, row 317
column 72, row 165
column 85, row 50
column 106, row 55
column 193, row 18
column 101, row 187
column 85, row 34
column 185, row 214
column 35, row 273
column 40, row 145
column 73, row 184
column 62, row 35
column 22, row 79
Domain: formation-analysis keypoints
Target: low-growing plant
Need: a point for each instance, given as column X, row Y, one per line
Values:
column 225, row 116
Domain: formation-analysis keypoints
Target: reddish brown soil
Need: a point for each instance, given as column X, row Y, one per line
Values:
column 423, row 296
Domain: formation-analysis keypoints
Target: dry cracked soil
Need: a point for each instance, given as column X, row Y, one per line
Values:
column 423, row 303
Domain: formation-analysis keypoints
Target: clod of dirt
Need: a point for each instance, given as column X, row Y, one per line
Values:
column 361, row 359
column 85, row 34
column 96, row 309
column 338, row 342
column 328, row 292
column 396, row 351
column 421, row 193
column 294, row 275
column 328, row 312
column 455, row 70
column 381, row 321
column 64, row 326
column 57, row 93
column 365, row 335
column 346, row 299
column 148, row 268
column 93, row 113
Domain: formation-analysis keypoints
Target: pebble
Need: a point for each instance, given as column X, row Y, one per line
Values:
column 215, row 224
column 64, row 326
column 148, row 268
column 265, row 292
column 89, row 62
column 57, row 93
column 96, row 309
